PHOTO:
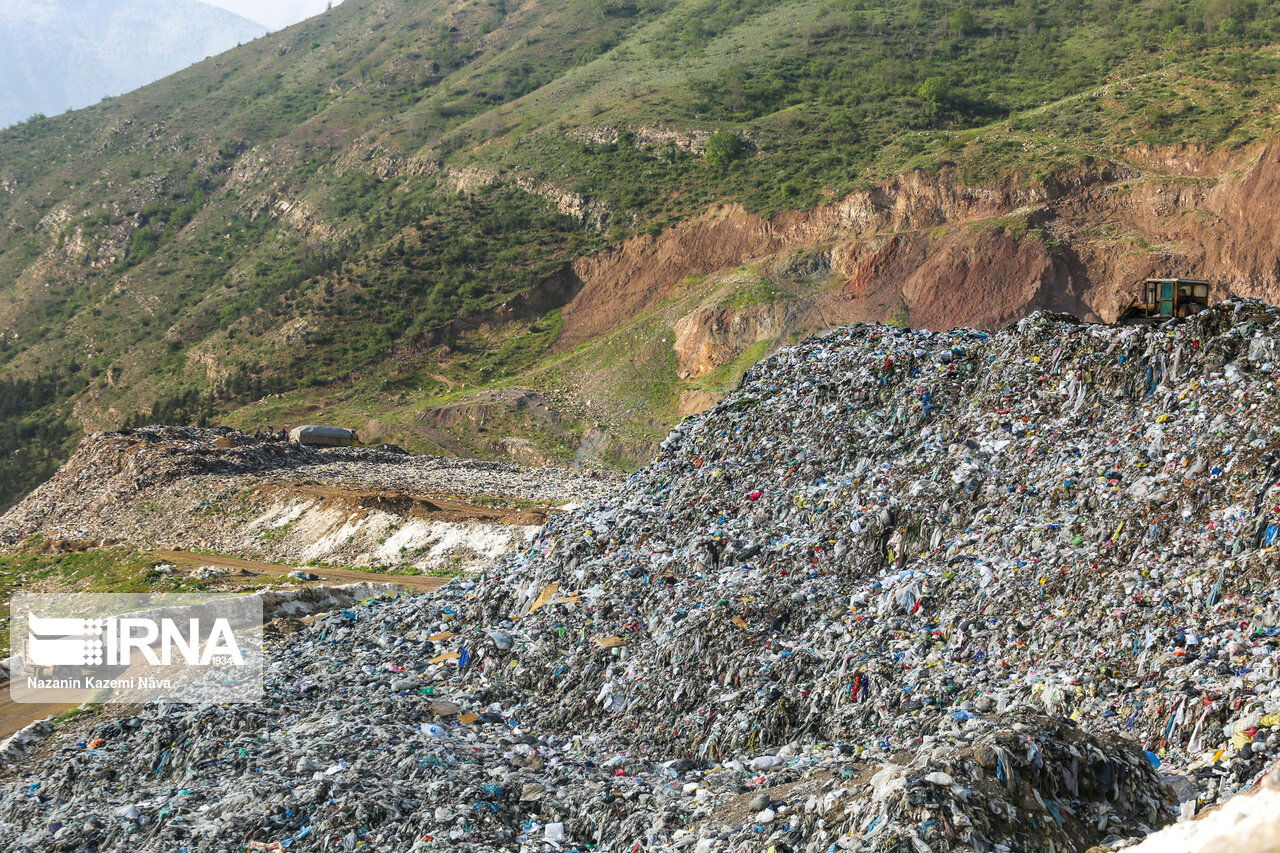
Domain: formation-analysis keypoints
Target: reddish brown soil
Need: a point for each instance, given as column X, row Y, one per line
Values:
column 978, row 256
column 431, row 507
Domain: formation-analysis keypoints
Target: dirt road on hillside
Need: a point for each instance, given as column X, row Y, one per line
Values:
column 409, row 504
column 417, row 583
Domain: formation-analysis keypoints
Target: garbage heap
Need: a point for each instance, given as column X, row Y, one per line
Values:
column 109, row 469
column 901, row 590
column 882, row 527
column 367, row 740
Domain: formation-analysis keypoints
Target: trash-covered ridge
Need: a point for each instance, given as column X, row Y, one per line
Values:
column 900, row 590
column 223, row 490
column 1070, row 517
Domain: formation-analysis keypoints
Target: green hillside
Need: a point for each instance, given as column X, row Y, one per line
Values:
column 310, row 210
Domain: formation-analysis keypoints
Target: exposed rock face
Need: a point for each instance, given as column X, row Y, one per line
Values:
column 957, row 255
column 695, row 402
column 490, row 404
column 714, row 337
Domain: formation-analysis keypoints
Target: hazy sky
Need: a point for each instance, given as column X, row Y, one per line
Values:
column 274, row 14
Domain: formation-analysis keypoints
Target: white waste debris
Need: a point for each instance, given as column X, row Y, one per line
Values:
column 226, row 491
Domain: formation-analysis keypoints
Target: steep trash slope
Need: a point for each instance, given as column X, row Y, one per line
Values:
column 900, row 591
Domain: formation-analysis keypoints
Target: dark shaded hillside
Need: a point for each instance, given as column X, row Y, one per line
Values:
column 314, row 209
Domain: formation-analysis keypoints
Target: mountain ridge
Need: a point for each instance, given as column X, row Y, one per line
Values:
column 66, row 54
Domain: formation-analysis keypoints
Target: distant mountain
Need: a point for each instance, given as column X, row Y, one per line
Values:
column 61, row 54
column 278, row 14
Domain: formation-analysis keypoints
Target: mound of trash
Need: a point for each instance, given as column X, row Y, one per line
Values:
column 366, row 740
column 223, row 490
column 108, row 469
column 882, row 527
column 901, row 590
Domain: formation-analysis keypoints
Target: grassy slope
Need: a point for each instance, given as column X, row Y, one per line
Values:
column 630, row 377
column 33, row 569
column 284, row 216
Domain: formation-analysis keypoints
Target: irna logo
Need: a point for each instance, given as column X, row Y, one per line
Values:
column 136, row 647
column 114, row 641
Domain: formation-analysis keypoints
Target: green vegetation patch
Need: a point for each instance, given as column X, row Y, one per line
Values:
column 322, row 212
column 32, row 569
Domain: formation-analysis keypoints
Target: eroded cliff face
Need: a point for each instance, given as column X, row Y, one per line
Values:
column 924, row 250
column 713, row 337
column 938, row 254
column 922, row 241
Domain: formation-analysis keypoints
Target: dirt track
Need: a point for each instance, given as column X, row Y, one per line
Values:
column 15, row 715
column 432, row 507
column 419, row 583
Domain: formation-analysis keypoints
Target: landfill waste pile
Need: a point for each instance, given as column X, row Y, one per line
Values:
column 1244, row 824
column 900, row 591
column 367, row 740
column 227, row 491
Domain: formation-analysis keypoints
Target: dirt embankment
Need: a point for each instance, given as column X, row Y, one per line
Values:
column 405, row 504
column 882, row 244
column 974, row 256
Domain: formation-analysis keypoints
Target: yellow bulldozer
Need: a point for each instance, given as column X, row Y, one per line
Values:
column 1163, row 298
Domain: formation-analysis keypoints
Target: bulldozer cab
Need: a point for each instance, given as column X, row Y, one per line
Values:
column 1163, row 298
